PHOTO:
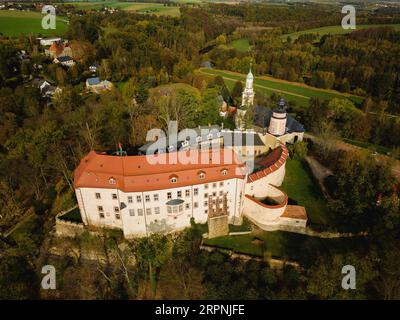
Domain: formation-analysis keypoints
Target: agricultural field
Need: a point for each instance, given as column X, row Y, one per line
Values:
column 336, row 30
column 140, row 7
column 13, row 23
column 241, row 45
column 291, row 91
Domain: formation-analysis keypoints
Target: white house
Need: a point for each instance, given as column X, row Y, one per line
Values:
column 49, row 41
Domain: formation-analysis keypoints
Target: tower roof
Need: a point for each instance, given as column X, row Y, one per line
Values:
column 250, row 75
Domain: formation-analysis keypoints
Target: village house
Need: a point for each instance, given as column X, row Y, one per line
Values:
column 65, row 61
column 97, row 86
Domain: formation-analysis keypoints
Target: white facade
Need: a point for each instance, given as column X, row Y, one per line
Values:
column 277, row 125
column 143, row 213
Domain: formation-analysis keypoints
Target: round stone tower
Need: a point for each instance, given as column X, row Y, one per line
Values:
column 277, row 124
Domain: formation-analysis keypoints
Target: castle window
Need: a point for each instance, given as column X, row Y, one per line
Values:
column 140, row 212
column 206, row 195
column 175, row 206
column 116, row 209
column 114, row 196
column 132, row 212
column 173, row 179
column 179, row 194
column 138, row 198
column 221, row 184
column 214, row 194
column 100, row 208
column 112, row 181
column 187, row 193
column 130, row 200
column 101, row 214
column 155, row 197
column 206, row 186
column 224, row 172
column 196, row 191
column 117, row 216
column 214, row 185
column 221, row 193
column 206, row 203
column 187, row 206
column 98, row 196
column 201, row 175
column 148, row 211
column 147, row 198
column 157, row 210
column 169, row 195
column 195, row 204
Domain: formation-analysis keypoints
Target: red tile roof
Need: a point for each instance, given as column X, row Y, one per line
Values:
column 272, row 162
column 295, row 212
column 135, row 173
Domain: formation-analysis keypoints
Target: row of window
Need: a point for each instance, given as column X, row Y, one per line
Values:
column 201, row 175
column 169, row 194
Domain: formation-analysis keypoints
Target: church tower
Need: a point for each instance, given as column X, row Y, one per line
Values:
column 248, row 92
column 247, row 101
column 277, row 124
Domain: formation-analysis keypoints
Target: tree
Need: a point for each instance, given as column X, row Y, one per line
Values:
column 151, row 253
column 237, row 91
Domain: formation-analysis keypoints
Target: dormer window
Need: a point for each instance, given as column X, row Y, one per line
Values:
column 198, row 139
column 173, row 179
column 185, row 143
column 209, row 136
column 201, row 175
column 112, row 180
column 171, row 148
column 224, row 172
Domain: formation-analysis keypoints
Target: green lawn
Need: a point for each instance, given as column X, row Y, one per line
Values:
column 287, row 245
column 241, row 45
column 13, row 23
column 300, row 186
column 336, row 30
column 292, row 91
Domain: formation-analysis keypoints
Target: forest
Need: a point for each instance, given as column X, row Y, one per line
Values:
column 42, row 142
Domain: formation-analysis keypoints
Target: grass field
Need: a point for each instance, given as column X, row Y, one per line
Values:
column 336, row 30
column 241, row 45
column 370, row 146
column 13, row 23
column 292, row 91
column 141, row 7
column 301, row 187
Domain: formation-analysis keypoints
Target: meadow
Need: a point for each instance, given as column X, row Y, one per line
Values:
column 241, row 45
column 335, row 30
column 291, row 91
column 14, row 23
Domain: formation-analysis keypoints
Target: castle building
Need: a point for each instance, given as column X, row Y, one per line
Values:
column 139, row 197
